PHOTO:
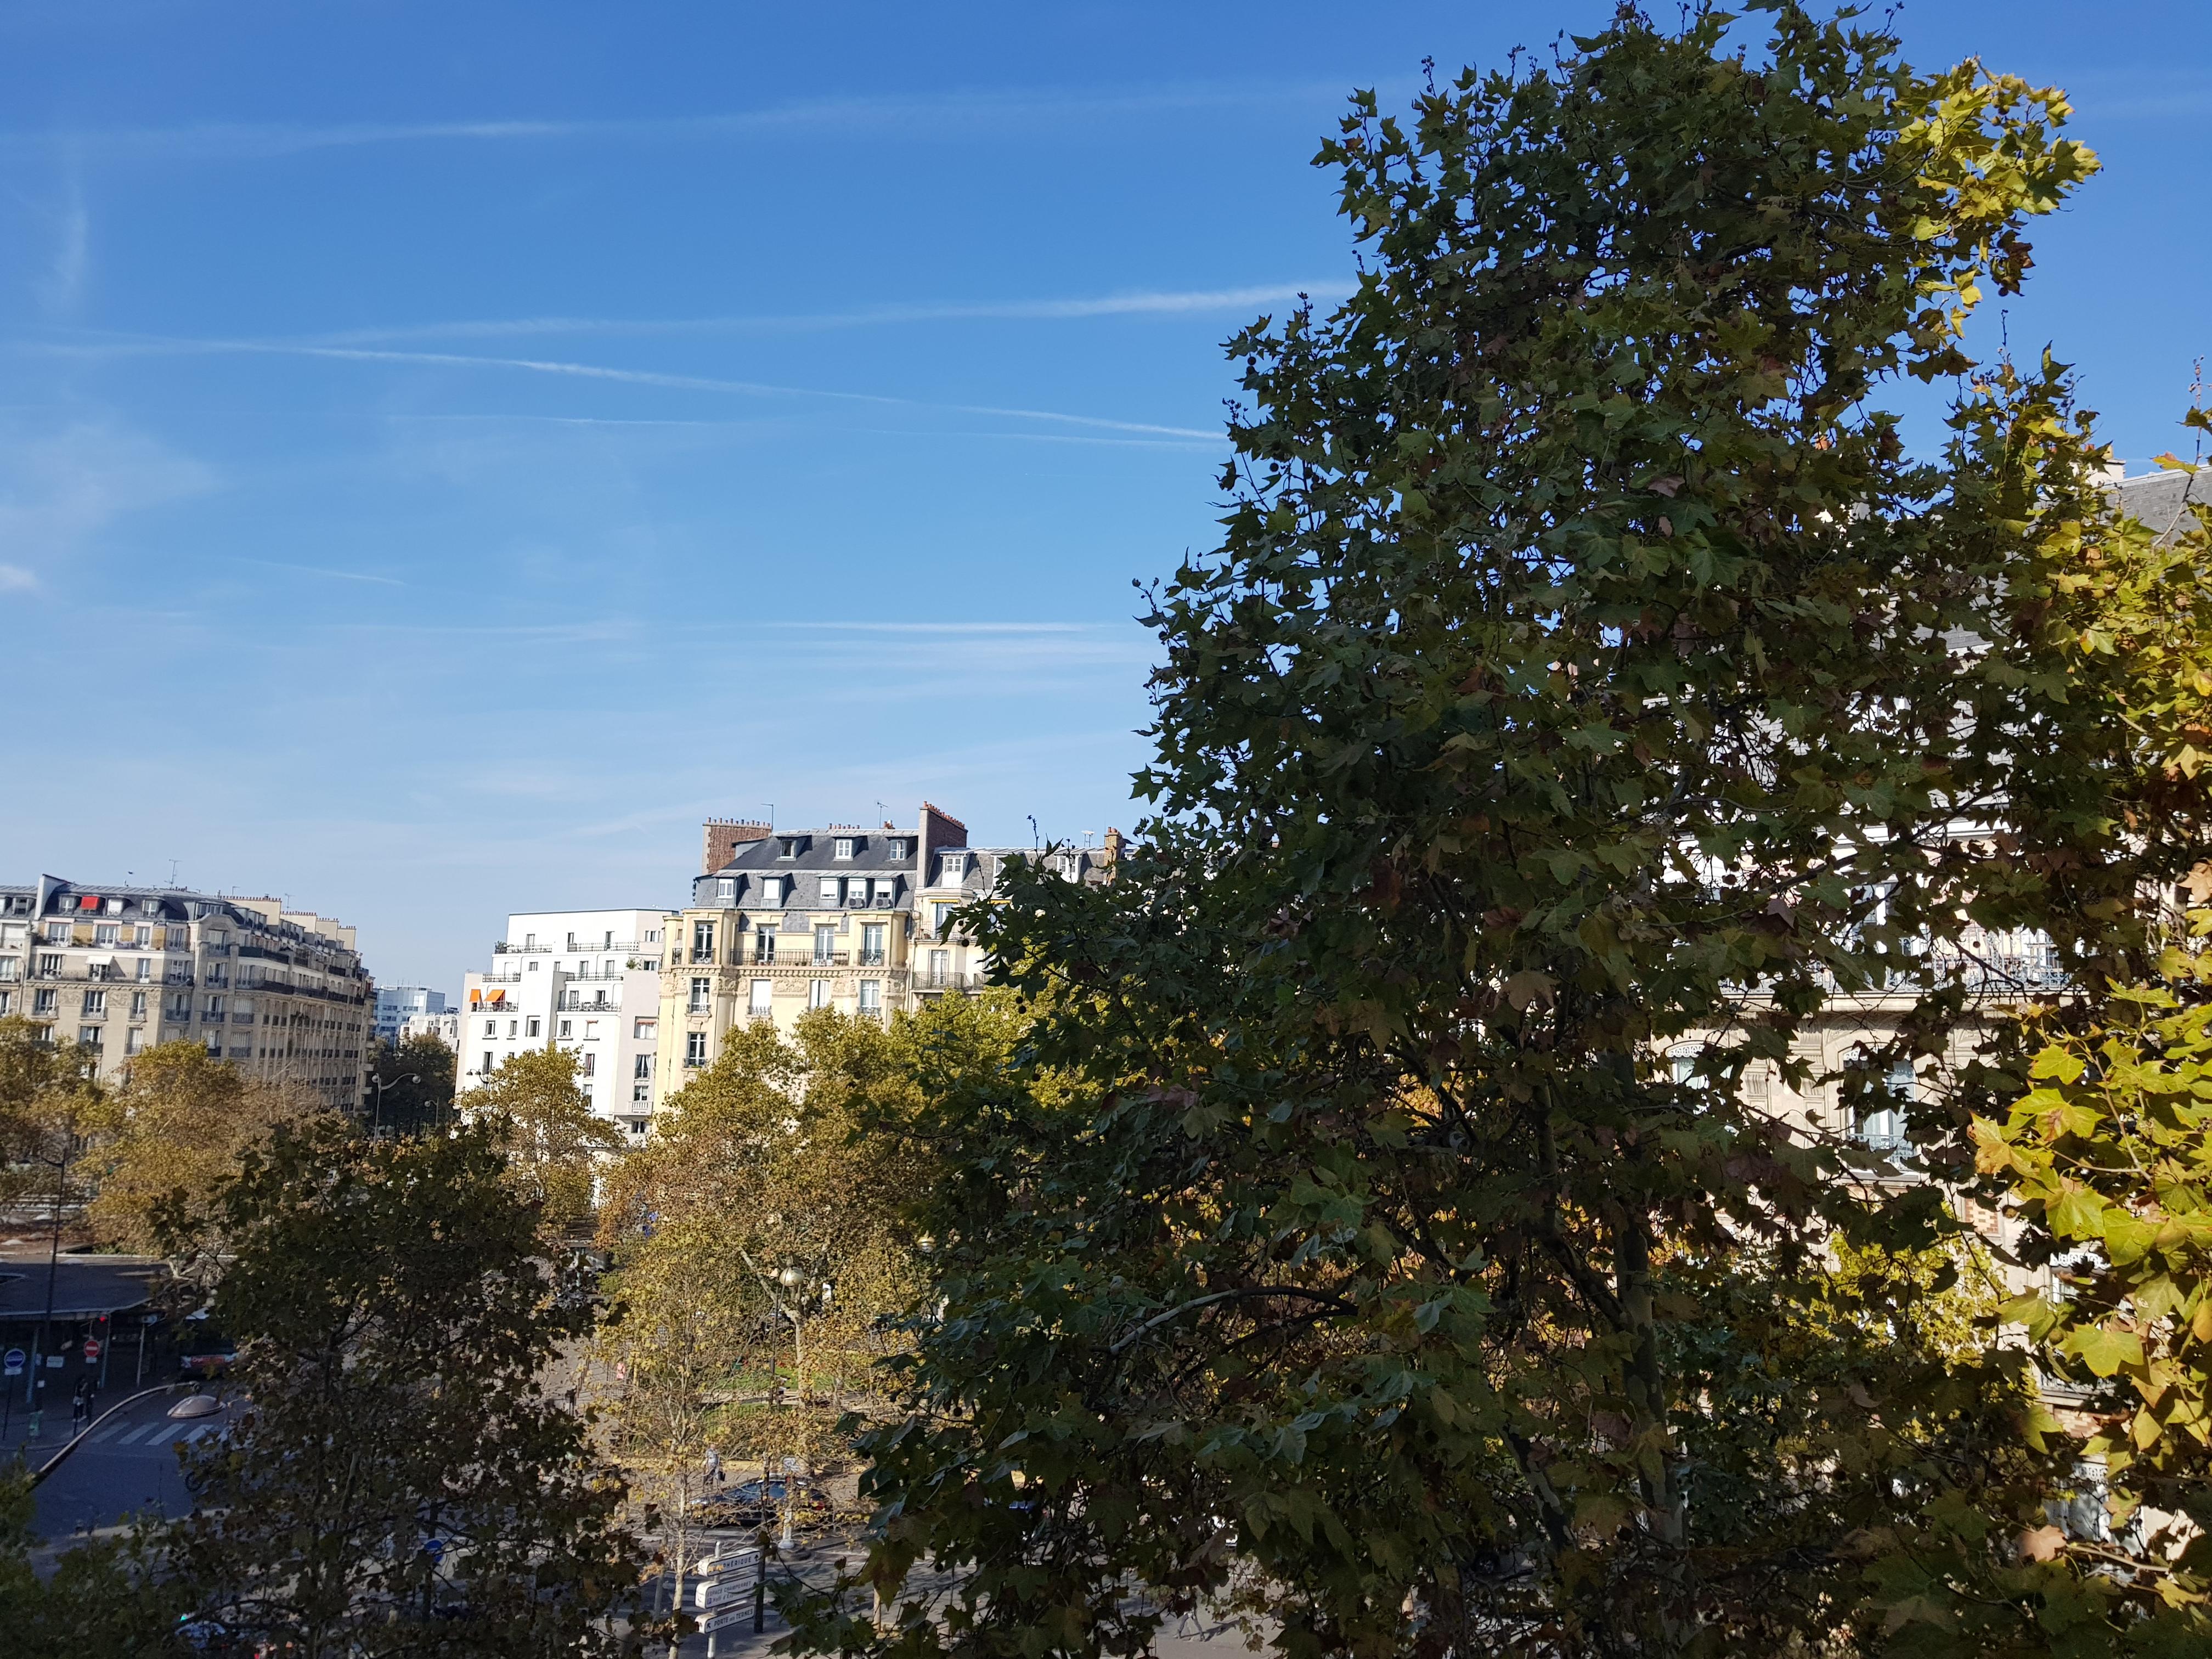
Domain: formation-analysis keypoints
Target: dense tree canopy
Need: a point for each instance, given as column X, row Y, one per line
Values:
column 182, row 1123
column 552, row 1143
column 402, row 1484
column 1587, row 675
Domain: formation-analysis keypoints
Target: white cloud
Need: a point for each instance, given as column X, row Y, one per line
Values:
column 620, row 376
column 948, row 115
column 13, row 579
column 60, row 489
column 1141, row 303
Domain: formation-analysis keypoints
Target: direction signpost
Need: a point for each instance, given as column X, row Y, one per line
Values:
column 722, row 1592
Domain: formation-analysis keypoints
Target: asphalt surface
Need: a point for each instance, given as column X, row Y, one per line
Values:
column 127, row 1465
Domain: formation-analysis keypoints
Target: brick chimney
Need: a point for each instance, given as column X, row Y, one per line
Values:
column 725, row 836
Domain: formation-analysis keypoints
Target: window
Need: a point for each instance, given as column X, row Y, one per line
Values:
column 8, row 965
column 491, row 1027
column 96, row 1002
column 702, row 996
column 214, row 1009
column 652, row 936
column 1068, row 866
column 763, row 947
column 886, row 891
column 511, row 1030
column 759, row 1006
column 58, row 933
column 215, row 1048
column 643, row 1030
column 565, row 1026
column 591, row 1028
column 871, row 945
column 571, row 941
column 641, row 1067
column 825, row 943
column 817, row 993
column 940, row 918
column 89, row 1036
column 871, row 995
column 829, row 888
column 534, row 1026
column 1883, row 1129
column 771, row 889
column 143, row 937
column 530, row 941
column 843, row 847
column 588, row 1064
column 50, row 965
column 145, row 967
column 7, row 1002
column 640, row 1094
column 940, row 967
column 951, row 869
column 702, row 941
column 486, row 1067
column 532, row 967
column 695, row 1048
column 138, row 1004
column 107, row 934
column 895, row 847
column 134, row 1040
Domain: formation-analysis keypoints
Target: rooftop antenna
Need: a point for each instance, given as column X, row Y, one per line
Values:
column 882, row 817
column 771, row 812
column 173, row 872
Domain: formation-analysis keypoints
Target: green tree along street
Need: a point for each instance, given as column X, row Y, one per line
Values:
column 761, row 1231
column 1587, row 669
column 545, row 1128
column 411, row 1090
column 403, row 1485
column 181, row 1122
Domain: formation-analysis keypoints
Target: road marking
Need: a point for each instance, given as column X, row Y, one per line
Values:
column 144, row 1428
column 199, row 1434
column 99, row 1435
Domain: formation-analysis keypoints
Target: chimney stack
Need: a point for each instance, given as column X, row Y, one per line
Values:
column 725, row 836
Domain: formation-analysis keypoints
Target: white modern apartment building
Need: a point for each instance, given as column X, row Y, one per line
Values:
column 584, row 981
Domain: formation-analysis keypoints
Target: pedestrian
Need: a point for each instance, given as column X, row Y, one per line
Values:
column 78, row 1407
column 714, row 1474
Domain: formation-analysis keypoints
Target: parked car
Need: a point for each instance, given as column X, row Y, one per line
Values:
column 755, row 1503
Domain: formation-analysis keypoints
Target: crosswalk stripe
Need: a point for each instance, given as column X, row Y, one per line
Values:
column 144, row 1428
column 99, row 1435
column 199, row 1434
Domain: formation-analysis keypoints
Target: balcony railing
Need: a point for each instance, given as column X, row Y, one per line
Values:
column 502, row 948
column 870, row 958
column 948, row 981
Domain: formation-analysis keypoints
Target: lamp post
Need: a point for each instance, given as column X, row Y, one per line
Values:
column 376, row 1118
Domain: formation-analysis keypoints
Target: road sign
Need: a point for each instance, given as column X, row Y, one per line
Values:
column 720, row 1592
column 91, row 1349
column 725, row 1617
column 13, row 1361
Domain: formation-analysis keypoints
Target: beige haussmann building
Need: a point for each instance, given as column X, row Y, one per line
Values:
column 846, row 916
column 280, row 993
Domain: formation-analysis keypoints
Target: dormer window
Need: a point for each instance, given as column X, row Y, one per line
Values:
column 788, row 845
column 726, row 889
column 951, row 868
column 844, row 845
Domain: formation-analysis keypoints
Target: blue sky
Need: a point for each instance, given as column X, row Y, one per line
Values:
column 445, row 451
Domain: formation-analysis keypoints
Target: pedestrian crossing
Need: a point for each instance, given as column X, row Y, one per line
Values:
column 151, row 1434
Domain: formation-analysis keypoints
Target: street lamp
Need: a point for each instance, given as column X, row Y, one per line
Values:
column 376, row 1120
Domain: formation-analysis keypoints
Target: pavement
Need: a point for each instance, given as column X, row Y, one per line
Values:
column 1193, row 1637
column 126, row 1464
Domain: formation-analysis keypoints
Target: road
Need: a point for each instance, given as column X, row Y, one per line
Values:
column 128, row 1463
